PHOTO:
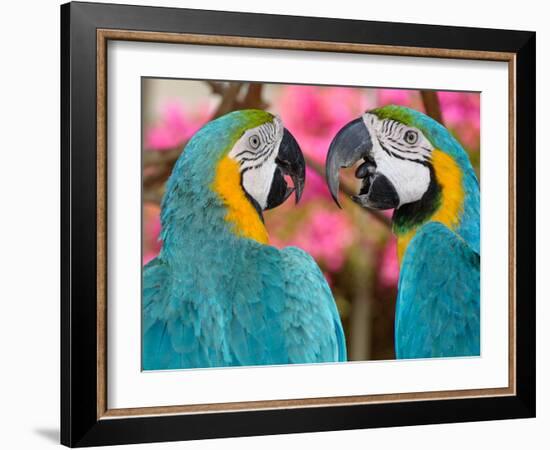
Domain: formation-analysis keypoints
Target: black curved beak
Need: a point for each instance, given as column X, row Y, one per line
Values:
column 290, row 161
column 352, row 143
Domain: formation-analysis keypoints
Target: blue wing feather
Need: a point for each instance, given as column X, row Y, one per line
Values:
column 313, row 326
column 276, row 308
column 438, row 312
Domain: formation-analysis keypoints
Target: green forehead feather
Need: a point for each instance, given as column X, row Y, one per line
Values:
column 215, row 139
column 401, row 114
column 221, row 134
column 251, row 118
column 236, row 123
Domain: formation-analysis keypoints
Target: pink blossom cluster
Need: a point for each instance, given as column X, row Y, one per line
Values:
column 325, row 235
column 176, row 125
column 461, row 113
column 151, row 231
column 401, row 97
column 388, row 270
column 314, row 114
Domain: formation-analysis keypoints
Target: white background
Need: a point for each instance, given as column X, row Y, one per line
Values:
column 129, row 387
column 29, row 331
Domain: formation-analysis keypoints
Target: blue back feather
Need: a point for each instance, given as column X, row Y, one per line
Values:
column 437, row 312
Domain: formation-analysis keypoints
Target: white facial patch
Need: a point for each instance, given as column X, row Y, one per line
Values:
column 400, row 153
column 255, row 152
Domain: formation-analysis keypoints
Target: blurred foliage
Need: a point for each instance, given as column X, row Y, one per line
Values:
column 354, row 248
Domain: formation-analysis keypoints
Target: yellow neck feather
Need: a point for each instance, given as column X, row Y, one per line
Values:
column 402, row 244
column 240, row 212
column 449, row 178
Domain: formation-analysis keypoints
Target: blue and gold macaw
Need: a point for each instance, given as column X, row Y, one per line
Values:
column 412, row 164
column 218, row 294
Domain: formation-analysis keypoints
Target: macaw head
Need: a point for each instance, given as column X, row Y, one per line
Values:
column 239, row 160
column 408, row 160
column 264, row 152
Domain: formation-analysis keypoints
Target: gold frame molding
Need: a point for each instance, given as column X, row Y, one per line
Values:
column 105, row 35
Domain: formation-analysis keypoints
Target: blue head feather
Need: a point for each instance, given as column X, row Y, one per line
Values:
column 189, row 202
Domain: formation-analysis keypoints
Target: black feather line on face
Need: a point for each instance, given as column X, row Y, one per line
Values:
column 247, row 151
column 399, row 142
column 257, row 155
column 264, row 135
column 405, row 151
column 269, row 150
column 257, row 166
column 392, row 154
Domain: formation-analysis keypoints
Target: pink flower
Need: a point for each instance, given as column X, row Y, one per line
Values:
column 461, row 113
column 151, row 231
column 176, row 125
column 325, row 235
column 316, row 187
column 388, row 271
column 314, row 114
column 401, row 97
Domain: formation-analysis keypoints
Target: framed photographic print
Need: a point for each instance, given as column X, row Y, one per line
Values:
column 276, row 224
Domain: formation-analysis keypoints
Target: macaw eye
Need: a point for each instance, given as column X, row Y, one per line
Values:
column 411, row 137
column 254, row 141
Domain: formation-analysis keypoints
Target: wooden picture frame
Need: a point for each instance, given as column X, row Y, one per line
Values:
column 85, row 417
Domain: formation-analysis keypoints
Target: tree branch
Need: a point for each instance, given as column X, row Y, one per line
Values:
column 216, row 87
column 431, row 105
column 229, row 99
column 253, row 97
